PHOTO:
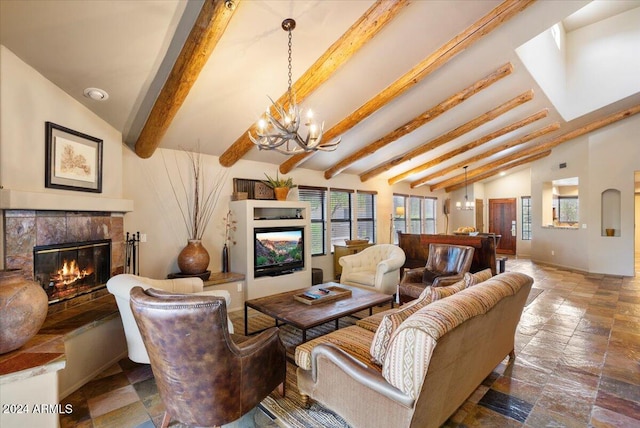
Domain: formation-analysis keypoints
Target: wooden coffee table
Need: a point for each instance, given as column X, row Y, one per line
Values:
column 285, row 309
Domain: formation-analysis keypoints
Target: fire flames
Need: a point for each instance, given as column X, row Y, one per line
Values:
column 68, row 274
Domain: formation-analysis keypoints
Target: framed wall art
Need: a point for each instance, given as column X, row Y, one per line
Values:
column 73, row 160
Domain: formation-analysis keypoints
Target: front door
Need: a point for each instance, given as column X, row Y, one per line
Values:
column 502, row 221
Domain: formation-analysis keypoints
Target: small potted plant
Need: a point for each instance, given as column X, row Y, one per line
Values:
column 280, row 186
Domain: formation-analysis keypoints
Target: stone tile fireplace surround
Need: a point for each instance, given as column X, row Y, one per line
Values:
column 25, row 229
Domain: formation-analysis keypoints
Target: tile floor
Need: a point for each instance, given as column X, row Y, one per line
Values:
column 577, row 365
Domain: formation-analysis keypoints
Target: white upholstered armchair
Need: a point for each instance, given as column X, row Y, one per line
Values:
column 376, row 267
column 120, row 286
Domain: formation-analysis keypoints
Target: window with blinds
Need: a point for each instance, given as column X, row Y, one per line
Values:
column 340, row 208
column 366, row 215
column 526, row 217
column 317, row 198
column 430, row 205
column 414, row 214
column 399, row 215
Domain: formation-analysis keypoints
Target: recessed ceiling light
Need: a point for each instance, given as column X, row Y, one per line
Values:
column 502, row 174
column 96, row 94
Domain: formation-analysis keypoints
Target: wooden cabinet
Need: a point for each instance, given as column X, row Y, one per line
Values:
column 345, row 250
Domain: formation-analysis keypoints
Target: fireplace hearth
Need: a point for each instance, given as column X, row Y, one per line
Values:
column 68, row 270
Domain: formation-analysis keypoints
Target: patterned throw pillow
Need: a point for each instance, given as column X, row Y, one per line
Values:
column 390, row 322
column 478, row 277
column 438, row 293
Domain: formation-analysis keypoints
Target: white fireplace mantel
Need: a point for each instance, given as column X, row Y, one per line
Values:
column 26, row 200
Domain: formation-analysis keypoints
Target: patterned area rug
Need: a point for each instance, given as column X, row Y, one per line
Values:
column 535, row 292
column 289, row 411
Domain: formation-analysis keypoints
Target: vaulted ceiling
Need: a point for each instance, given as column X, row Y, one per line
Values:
column 415, row 89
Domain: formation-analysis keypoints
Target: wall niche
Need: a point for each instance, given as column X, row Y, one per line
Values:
column 610, row 218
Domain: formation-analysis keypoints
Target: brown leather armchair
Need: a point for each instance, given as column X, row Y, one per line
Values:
column 446, row 265
column 205, row 376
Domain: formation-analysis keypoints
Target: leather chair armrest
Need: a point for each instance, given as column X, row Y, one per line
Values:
column 358, row 371
column 442, row 281
column 258, row 342
column 412, row 276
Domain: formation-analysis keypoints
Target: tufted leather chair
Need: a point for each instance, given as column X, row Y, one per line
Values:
column 376, row 268
column 205, row 375
column 120, row 286
column 446, row 265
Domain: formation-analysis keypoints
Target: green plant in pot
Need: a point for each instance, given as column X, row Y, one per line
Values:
column 280, row 186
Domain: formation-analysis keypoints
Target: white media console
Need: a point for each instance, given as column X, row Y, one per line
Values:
column 251, row 214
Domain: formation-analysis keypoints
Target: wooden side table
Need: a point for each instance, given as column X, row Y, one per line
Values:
column 345, row 250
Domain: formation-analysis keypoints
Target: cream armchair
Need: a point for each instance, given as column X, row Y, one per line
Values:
column 120, row 286
column 376, row 267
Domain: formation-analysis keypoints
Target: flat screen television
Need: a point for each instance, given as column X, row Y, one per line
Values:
column 278, row 250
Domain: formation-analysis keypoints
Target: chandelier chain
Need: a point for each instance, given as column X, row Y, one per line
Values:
column 279, row 131
column 290, row 67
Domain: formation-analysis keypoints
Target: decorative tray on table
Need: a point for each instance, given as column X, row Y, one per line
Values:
column 315, row 296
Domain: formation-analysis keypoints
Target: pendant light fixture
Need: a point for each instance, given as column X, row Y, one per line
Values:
column 468, row 205
column 279, row 132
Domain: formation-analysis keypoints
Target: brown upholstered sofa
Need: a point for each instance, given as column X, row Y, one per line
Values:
column 422, row 361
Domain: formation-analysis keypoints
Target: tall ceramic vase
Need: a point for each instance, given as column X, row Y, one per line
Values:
column 23, row 308
column 194, row 258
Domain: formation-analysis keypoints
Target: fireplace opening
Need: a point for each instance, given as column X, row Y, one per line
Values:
column 68, row 270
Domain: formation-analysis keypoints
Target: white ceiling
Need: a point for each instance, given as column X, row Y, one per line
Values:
column 127, row 47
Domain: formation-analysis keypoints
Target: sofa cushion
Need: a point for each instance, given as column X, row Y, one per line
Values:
column 478, row 277
column 391, row 321
column 412, row 343
column 362, row 277
column 353, row 340
column 438, row 293
column 372, row 322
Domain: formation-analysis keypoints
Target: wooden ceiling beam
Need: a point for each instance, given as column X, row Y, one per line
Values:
column 593, row 126
column 500, row 14
column 449, row 136
column 499, row 169
column 477, row 143
column 420, row 120
column 364, row 29
column 209, row 27
column 514, row 143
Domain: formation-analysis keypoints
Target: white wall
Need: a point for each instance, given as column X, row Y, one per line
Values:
column 603, row 61
column 605, row 159
column 609, row 170
column 637, row 223
column 569, row 246
column 596, row 65
column 27, row 101
column 156, row 213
